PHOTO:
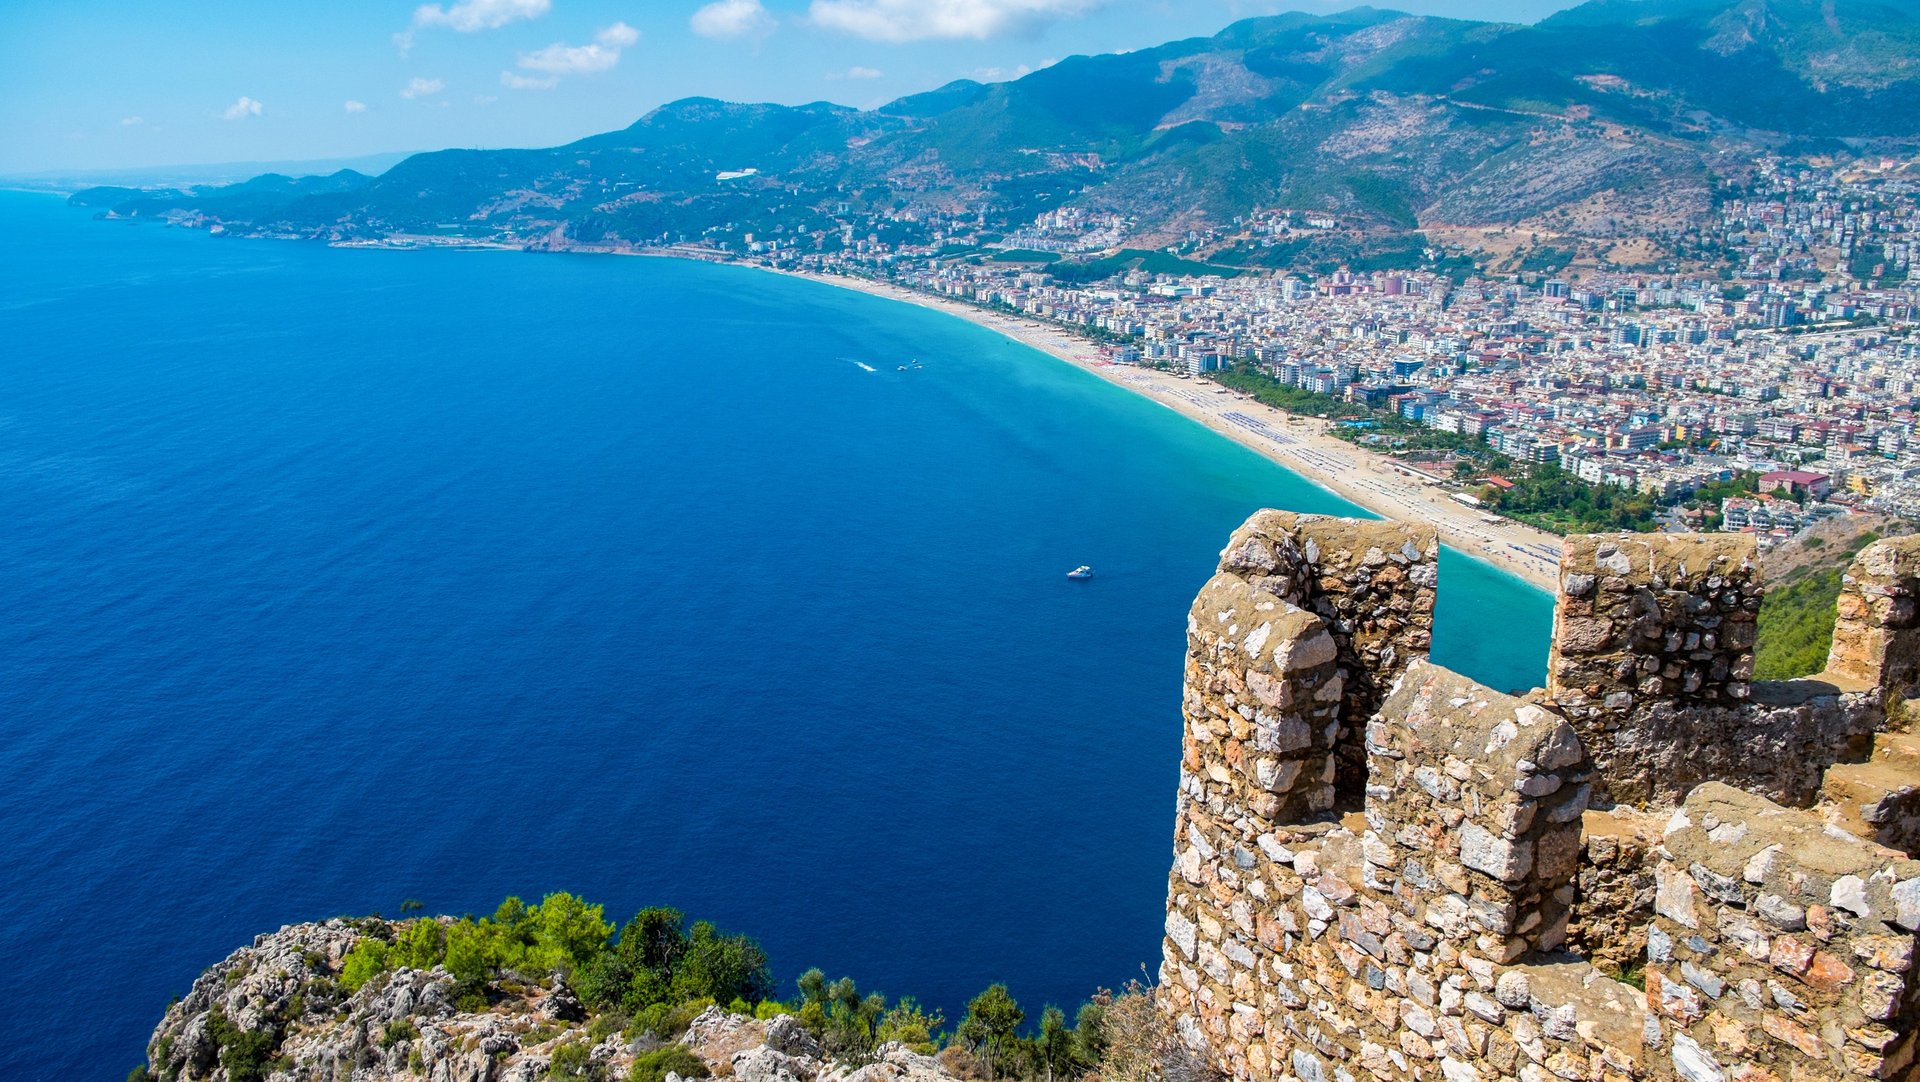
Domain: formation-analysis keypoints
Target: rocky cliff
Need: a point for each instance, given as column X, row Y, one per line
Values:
column 277, row 1011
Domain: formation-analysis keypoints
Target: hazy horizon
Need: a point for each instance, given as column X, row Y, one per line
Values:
column 94, row 86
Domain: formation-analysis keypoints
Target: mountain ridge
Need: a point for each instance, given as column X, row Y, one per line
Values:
column 1616, row 115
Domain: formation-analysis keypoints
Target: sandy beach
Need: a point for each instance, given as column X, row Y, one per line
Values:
column 1301, row 444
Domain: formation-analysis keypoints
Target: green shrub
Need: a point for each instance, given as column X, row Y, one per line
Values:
column 606, row 1024
column 471, row 952
column 561, row 933
column 247, row 1054
column 367, row 960
column 658, row 959
column 400, row 1029
column 909, row 1024
column 1090, row 1038
column 1796, row 627
column 138, row 1074
column 420, row 945
column 991, row 1029
column 1796, row 620
column 666, row 1021
column 573, row 1062
column 653, row 1066
column 651, row 1022
column 541, row 1034
column 1052, row 1051
column 842, row 1018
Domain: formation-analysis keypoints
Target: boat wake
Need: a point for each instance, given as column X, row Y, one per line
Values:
column 866, row 366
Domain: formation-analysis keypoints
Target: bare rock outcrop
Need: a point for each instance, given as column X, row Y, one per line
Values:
column 276, row 1010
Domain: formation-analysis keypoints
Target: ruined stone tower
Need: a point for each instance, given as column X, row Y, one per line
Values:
column 1654, row 868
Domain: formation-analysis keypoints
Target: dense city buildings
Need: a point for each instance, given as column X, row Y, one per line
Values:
column 1774, row 346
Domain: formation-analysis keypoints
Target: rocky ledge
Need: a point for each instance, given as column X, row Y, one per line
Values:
column 276, row 1011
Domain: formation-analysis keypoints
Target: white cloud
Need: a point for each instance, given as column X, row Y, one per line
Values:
column 245, row 107
column 422, row 88
column 515, row 81
column 857, row 72
column 1002, row 75
column 562, row 59
column 355, row 107
column 471, row 16
column 732, row 19
column 918, row 20
column 132, row 121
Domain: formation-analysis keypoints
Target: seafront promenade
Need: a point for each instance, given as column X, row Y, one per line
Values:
column 1300, row 444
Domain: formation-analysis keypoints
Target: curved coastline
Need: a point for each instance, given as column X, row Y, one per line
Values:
column 1294, row 443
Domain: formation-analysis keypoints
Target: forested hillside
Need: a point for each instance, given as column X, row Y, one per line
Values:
column 1617, row 115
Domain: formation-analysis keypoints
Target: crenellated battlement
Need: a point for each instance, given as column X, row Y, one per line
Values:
column 1371, row 583
column 1652, row 661
column 1385, row 870
column 1480, row 795
column 1646, row 618
column 1876, row 631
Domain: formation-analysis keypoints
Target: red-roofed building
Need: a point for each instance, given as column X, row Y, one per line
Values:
column 1797, row 482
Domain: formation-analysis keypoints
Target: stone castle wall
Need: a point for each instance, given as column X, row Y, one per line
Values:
column 1372, row 583
column 1652, row 661
column 1465, row 915
column 1874, row 638
column 1646, row 622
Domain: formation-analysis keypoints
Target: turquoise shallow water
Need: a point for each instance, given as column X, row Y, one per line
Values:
column 339, row 578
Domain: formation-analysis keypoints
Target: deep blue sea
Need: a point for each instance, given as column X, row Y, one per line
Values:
column 337, row 578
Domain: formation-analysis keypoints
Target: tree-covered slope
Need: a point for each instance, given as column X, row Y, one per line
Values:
column 1388, row 119
column 1796, row 619
column 1835, row 68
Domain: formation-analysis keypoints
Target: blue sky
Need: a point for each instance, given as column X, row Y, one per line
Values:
column 88, row 84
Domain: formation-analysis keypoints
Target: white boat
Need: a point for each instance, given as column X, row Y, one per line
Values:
column 1081, row 572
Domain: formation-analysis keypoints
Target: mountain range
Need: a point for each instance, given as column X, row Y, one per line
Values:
column 1615, row 117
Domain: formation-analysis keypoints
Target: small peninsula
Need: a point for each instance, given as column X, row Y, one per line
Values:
column 549, row 991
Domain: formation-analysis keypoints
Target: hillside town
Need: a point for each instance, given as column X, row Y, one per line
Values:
column 1774, row 348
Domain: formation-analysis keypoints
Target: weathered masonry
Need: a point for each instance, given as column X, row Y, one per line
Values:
column 1653, row 868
